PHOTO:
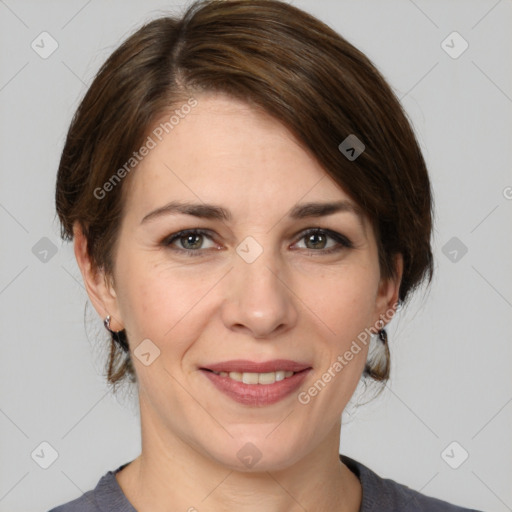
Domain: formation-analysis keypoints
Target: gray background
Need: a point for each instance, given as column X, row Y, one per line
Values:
column 451, row 349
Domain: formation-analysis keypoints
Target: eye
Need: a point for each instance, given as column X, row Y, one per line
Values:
column 189, row 240
column 317, row 240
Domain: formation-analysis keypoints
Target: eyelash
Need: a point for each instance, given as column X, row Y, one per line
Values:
column 343, row 241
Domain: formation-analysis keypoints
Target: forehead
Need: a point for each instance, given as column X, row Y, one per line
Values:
column 228, row 152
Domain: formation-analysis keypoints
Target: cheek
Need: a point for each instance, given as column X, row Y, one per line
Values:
column 163, row 304
column 344, row 298
column 170, row 303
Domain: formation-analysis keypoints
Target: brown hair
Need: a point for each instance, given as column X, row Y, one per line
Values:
column 275, row 56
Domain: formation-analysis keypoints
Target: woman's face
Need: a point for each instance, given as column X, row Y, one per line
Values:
column 253, row 286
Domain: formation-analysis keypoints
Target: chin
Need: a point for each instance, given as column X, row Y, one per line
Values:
column 254, row 455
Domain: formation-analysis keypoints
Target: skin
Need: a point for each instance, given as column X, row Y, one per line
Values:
column 294, row 302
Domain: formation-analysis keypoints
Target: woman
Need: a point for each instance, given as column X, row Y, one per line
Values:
column 249, row 206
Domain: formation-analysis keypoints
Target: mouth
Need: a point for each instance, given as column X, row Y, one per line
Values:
column 251, row 372
column 256, row 389
column 257, row 378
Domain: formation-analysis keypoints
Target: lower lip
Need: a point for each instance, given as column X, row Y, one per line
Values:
column 257, row 394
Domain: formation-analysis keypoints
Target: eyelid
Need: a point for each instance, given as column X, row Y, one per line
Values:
column 342, row 243
column 168, row 240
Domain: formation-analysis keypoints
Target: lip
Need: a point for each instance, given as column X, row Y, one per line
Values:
column 246, row 366
column 257, row 394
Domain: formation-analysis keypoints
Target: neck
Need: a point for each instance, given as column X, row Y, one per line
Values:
column 171, row 472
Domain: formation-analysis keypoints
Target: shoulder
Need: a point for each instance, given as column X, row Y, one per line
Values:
column 85, row 503
column 107, row 496
column 386, row 495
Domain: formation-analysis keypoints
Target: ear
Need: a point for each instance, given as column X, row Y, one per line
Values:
column 99, row 288
column 388, row 293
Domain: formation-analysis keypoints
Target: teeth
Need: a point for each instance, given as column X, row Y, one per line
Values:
column 257, row 378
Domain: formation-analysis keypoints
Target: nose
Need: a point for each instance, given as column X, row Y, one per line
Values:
column 258, row 300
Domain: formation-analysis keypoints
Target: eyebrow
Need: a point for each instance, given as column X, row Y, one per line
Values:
column 211, row 211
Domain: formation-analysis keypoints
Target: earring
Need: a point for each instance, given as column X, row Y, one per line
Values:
column 378, row 364
column 383, row 336
column 119, row 337
column 106, row 323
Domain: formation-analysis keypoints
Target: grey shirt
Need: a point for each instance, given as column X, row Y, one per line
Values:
column 379, row 495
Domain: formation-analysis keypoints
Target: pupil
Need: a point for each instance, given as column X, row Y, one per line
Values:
column 314, row 238
column 190, row 238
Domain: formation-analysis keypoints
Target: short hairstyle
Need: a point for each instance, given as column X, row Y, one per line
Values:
column 271, row 55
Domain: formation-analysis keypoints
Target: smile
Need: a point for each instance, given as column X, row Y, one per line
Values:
column 257, row 378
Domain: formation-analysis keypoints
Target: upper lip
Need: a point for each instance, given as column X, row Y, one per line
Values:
column 245, row 366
